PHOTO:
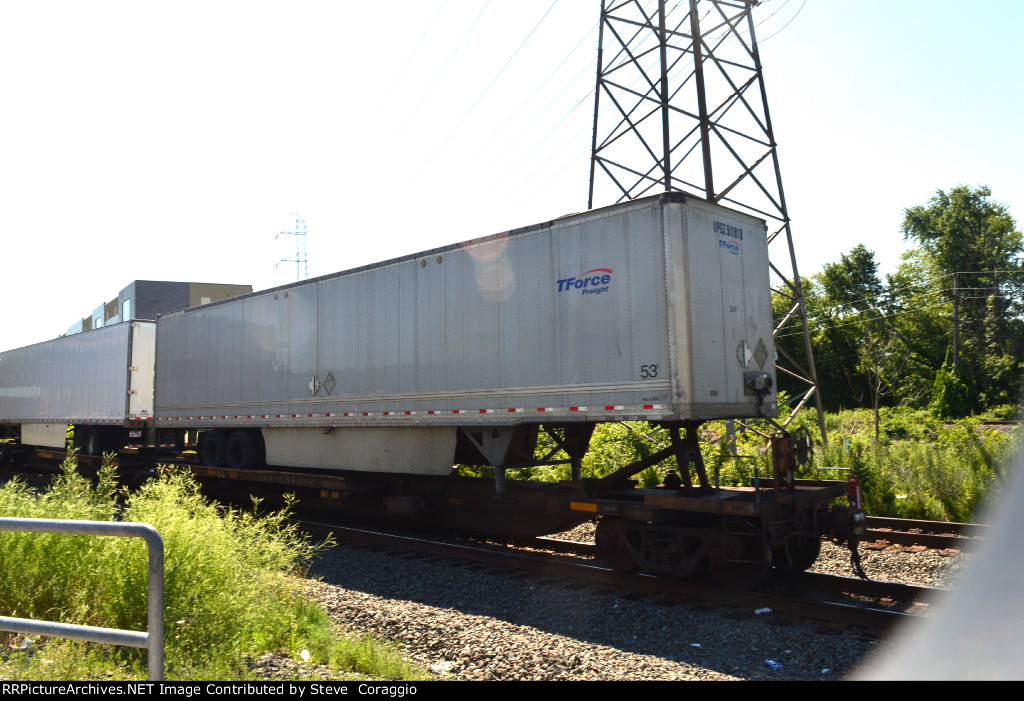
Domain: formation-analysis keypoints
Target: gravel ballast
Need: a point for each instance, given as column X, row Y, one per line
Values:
column 462, row 620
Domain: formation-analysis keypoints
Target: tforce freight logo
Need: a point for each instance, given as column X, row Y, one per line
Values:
column 733, row 234
column 592, row 282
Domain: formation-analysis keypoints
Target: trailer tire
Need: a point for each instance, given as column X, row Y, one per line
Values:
column 214, row 449
column 93, row 442
column 243, row 451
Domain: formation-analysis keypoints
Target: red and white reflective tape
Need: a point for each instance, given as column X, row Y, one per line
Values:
column 413, row 412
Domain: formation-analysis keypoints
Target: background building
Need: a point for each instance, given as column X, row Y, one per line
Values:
column 145, row 299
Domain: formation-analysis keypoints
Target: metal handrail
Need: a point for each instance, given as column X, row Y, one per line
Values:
column 153, row 639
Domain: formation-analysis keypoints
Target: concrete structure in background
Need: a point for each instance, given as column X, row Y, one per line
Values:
column 145, row 299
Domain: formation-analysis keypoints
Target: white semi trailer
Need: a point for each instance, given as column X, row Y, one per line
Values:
column 657, row 309
column 101, row 381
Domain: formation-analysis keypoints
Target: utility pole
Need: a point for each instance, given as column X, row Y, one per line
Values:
column 687, row 111
column 956, row 324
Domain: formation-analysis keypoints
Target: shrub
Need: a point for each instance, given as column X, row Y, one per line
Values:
column 229, row 585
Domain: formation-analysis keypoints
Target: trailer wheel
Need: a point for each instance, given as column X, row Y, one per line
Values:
column 93, row 443
column 214, row 450
column 243, row 451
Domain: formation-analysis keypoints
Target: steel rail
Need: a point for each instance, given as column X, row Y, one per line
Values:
column 873, row 621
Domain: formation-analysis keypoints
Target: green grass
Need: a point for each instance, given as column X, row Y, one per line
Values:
column 921, row 467
column 233, row 586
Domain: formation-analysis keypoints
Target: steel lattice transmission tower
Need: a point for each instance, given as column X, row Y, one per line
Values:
column 301, row 259
column 680, row 105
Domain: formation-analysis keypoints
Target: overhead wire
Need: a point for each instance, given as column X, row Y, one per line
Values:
column 545, row 82
column 896, row 291
column 645, row 10
column 797, row 14
column 642, row 11
column 444, row 68
column 572, row 139
column 423, row 36
column 535, row 146
column 821, row 323
column 855, row 322
column 493, row 81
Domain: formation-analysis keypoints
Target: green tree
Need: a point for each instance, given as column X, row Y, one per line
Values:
column 846, row 318
column 853, row 282
column 972, row 252
column 949, row 396
column 920, row 313
column 964, row 230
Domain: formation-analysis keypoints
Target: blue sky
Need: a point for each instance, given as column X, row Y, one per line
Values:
column 173, row 141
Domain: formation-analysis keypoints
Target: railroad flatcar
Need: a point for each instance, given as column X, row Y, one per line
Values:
column 365, row 387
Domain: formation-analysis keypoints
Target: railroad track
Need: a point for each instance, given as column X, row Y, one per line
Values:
column 870, row 608
column 940, row 535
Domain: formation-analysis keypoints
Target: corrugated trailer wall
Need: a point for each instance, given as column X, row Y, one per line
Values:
column 632, row 311
column 83, row 378
column 723, row 324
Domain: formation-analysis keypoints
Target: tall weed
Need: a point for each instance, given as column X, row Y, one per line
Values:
column 932, row 470
column 229, row 589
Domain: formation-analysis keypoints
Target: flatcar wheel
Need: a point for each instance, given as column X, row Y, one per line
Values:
column 743, row 560
column 611, row 545
column 803, row 552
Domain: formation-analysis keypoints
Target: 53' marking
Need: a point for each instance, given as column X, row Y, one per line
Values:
column 648, row 372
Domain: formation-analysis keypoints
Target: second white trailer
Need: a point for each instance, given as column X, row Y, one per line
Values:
column 101, row 381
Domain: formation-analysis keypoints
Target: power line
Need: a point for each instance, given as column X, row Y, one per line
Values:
column 820, row 323
column 891, row 293
column 456, row 51
column 535, row 147
column 677, row 71
column 545, row 82
column 786, row 24
column 424, row 36
column 493, row 81
column 854, row 322
column 538, row 142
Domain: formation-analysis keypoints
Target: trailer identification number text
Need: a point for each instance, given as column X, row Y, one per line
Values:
column 729, row 230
